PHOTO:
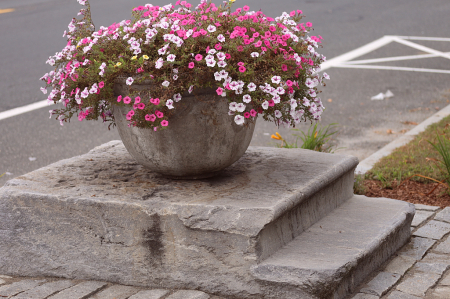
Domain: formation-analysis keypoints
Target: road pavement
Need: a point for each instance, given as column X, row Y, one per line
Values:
column 33, row 31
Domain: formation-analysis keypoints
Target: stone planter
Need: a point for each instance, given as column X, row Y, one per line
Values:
column 201, row 138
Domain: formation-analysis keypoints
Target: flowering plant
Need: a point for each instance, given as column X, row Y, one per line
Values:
column 262, row 65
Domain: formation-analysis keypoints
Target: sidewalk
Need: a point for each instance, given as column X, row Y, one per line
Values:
column 421, row 269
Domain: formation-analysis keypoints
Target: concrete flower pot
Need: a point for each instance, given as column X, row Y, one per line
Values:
column 201, row 138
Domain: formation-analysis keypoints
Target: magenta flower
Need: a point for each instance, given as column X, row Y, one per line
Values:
column 159, row 114
column 271, row 103
column 240, row 48
column 141, row 106
column 151, row 117
column 292, row 13
column 284, row 67
column 240, row 63
column 127, row 100
column 289, row 83
column 227, row 56
column 242, row 69
column 101, row 84
column 247, row 115
column 258, row 43
column 218, row 47
column 130, row 114
column 198, row 57
column 246, row 8
column 253, row 112
column 272, row 28
column 219, row 91
column 256, row 34
column 164, row 123
column 191, row 65
column 137, row 100
column 155, row 101
column 264, row 49
column 308, row 24
column 299, row 11
column 119, row 98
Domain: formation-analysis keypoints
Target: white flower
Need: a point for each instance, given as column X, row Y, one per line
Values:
column 129, row 80
column 209, row 57
column 276, row 99
column 169, row 104
column 224, row 74
column 265, row 105
column 171, row 57
column 211, row 28
column 217, row 76
column 177, row 97
column 306, row 102
column 165, row 83
column 251, row 86
column 312, row 92
column 310, row 83
column 221, row 63
column 191, row 88
column 101, row 66
column 221, row 56
column 212, row 51
column 44, row 90
column 85, row 93
column 240, row 90
column 240, row 107
column 137, row 51
column 175, row 71
column 86, row 61
column 311, row 49
column 232, row 106
column 254, row 54
column 239, row 120
column 51, row 61
column 93, row 89
column 175, row 77
column 102, row 72
column 293, row 103
column 326, row 76
column 82, row 2
column 210, row 63
column 278, row 114
column 159, row 63
column 234, row 85
column 247, row 98
column 221, row 38
column 276, row 79
column 280, row 90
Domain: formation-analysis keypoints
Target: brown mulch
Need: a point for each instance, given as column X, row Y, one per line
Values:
column 410, row 191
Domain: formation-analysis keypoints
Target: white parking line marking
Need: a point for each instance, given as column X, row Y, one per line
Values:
column 23, row 109
column 392, row 68
column 395, row 58
column 438, row 39
column 420, row 47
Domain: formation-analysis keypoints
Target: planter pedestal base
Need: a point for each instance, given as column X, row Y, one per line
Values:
column 279, row 223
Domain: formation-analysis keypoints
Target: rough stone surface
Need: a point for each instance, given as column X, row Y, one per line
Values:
column 364, row 296
column 18, row 287
column 400, row 264
column 150, row 294
column 45, row 290
column 443, row 247
column 440, row 292
column 340, row 250
column 2, row 281
column 424, row 276
column 5, row 276
column 381, row 283
column 125, row 224
column 433, row 229
column 186, row 294
column 445, row 280
column 80, row 290
column 437, row 258
column 420, row 217
column 116, row 292
column 426, row 208
column 401, row 295
column 443, row 215
column 417, row 248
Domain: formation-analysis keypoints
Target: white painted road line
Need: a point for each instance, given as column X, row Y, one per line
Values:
column 420, row 47
column 357, row 52
column 392, row 68
column 438, row 39
column 394, row 58
column 23, row 109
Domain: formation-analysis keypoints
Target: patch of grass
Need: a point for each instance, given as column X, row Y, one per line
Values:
column 316, row 139
column 417, row 157
column 358, row 186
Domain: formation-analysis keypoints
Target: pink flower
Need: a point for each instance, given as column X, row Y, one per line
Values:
column 242, row 69
column 130, row 114
column 292, row 13
column 155, row 101
column 137, row 100
column 101, row 84
column 289, row 83
column 253, row 112
column 227, row 56
column 198, row 57
column 264, row 49
column 127, row 100
column 271, row 103
column 159, row 114
column 246, row 114
column 191, row 65
column 141, row 106
column 246, row 8
column 240, row 48
column 258, row 43
column 284, row 67
column 272, row 28
column 299, row 11
column 140, row 70
column 308, row 24
column 164, row 123
column 119, row 98
column 151, row 117
column 218, row 47
column 219, row 90
column 241, row 63
column 256, row 34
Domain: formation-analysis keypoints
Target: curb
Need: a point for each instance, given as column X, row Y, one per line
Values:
column 367, row 164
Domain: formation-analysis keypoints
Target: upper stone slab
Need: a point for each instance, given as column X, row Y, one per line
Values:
column 261, row 186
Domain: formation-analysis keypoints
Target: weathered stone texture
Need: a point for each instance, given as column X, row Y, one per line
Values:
column 417, row 247
column 187, row 294
column 79, row 291
column 420, row 217
column 19, row 286
column 400, row 264
column 45, row 290
column 381, row 283
column 433, row 229
column 116, row 292
column 150, row 294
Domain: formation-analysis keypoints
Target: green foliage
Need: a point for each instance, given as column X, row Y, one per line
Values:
column 315, row 139
column 358, row 186
column 442, row 146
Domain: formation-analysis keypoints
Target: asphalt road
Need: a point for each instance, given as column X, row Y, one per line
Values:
column 33, row 31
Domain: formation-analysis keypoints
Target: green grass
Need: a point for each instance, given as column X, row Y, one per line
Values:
column 419, row 156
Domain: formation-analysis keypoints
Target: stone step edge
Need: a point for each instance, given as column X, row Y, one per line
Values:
column 284, row 269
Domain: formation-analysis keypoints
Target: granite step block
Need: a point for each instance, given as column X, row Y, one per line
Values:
column 188, row 294
column 19, row 287
column 45, row 290
column 339, row 251
column 116, row 292
column 433, row 229
column 150, row 294
column 80, row 291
